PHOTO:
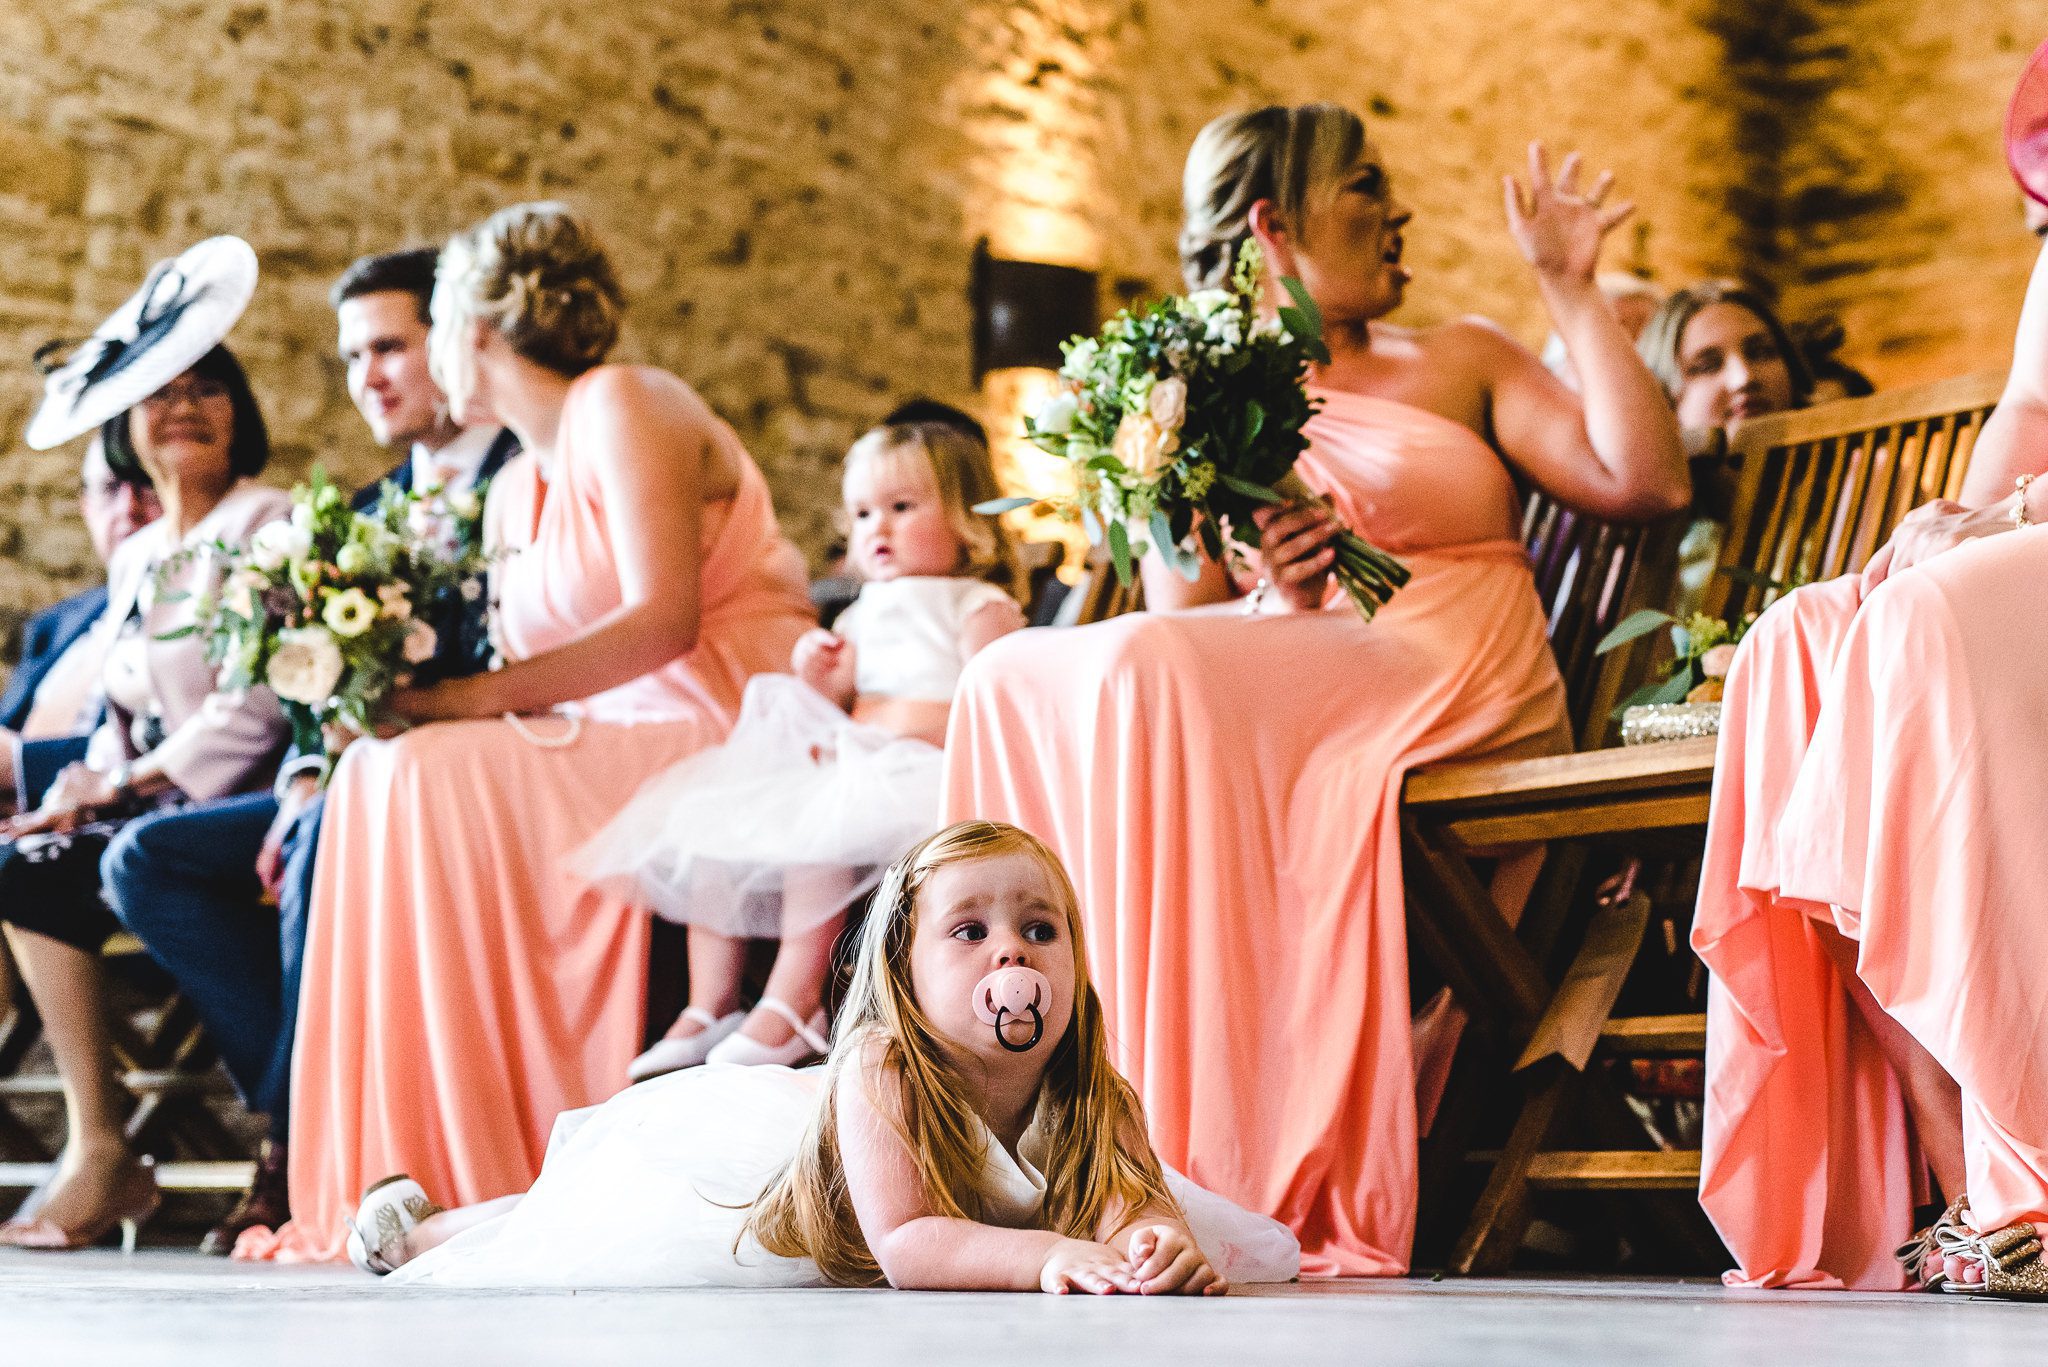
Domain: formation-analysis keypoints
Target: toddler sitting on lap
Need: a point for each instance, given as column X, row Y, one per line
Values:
column 829, row 775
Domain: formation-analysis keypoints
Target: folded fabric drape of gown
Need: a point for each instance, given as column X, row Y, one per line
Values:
column 1225, row 791
column 461, row 988
column 1876, row 773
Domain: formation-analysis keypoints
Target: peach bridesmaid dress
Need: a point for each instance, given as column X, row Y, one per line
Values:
column 1224, row 789
column 461, row 989
column 1880, row 769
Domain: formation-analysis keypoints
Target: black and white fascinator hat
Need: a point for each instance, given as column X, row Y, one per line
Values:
column 184, row 309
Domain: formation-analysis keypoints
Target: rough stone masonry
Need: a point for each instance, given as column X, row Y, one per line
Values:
column 792, row 187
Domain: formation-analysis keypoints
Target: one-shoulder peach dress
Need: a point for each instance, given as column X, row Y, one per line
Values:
column 461, row 988
column 1880, row 771
column 1225, row 788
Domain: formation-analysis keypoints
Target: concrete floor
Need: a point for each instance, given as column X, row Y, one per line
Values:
column 175, row 1308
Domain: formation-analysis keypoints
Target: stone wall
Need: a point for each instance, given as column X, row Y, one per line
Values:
column 1873, row 184
column 792, row 187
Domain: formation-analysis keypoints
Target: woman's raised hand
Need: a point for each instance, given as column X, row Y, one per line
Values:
column 1558, row 228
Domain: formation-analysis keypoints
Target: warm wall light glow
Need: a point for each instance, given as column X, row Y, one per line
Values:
column 1007, row 395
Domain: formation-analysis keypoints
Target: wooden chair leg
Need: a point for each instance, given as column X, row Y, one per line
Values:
column 1494, row 1234
column 1453, row 920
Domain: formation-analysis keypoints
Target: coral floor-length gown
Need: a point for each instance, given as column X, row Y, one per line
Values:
column 461, row 987
column 1880, row 770
column 1225, row 790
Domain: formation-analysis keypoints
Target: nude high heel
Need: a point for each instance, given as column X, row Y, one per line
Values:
column 134, row 1201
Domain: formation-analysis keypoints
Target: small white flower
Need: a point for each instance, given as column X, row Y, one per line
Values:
column 472, row 589
column 352, row 559
column 465, row 504
column 302, row 518
column 305, row 667
column 1057, row 413
column 421, row 520
column 349, row 613
column 420, row 644
column 1203, row 303
column 1717, row 661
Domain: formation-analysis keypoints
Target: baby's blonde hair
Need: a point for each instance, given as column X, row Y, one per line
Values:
column 964, row 474
column 1094, row 1125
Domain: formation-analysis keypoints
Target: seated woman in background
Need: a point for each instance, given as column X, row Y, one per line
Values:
column 1869, row 900
column 1723, row 356
column 168, row 735
column 1225, row 786
column 461, row 987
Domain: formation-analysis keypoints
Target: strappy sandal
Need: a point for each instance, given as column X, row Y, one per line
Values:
column 1921, row 1255
column 391, row 1210
column 2011, row 1258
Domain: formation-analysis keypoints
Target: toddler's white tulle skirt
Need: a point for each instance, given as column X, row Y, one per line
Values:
column 788, row 823
column 652, row 1188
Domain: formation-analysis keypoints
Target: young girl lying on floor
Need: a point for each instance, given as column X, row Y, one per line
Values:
column 966, row 1133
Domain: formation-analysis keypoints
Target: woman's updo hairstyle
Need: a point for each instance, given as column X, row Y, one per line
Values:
column 1281, row 153
column 537, row 274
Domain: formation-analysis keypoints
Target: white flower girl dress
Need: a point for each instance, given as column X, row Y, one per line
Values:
column 800, row 785
column 652, row 1189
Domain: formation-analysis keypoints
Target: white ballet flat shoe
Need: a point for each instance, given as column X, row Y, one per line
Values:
column 808, row 1041
column 391, row 1210
column 673, row 1055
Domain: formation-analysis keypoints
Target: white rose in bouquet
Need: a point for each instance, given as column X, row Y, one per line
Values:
column 1057, row 413
column 306, row 666
column 278, row 544
column 466, row 505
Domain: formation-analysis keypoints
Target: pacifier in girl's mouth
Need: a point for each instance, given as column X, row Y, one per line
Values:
column 1007, row 996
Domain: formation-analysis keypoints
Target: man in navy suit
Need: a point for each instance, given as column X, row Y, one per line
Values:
column 192, row 883
column 53, row 692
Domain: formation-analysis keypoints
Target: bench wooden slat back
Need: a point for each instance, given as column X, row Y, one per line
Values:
column 1589, row 575
column 1820, row 490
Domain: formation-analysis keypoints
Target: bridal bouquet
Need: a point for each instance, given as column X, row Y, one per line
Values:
column 1183, row 419
column 334, row 608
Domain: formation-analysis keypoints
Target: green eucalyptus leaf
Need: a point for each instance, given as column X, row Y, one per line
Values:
column 995, row 506
column 1120, row 550
column 1635, row 625
column 1257, row 492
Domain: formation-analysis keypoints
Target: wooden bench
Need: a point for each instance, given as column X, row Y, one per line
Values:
column 1816, row 493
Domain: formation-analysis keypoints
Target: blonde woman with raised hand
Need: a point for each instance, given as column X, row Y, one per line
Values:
column 1224, row 784
column 968, row 1133
column 460, row 988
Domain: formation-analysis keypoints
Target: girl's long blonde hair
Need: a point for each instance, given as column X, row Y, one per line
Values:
column 1099, row 1164
column 965, row 474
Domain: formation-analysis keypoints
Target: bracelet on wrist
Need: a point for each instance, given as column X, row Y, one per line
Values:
column 2019, row 505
